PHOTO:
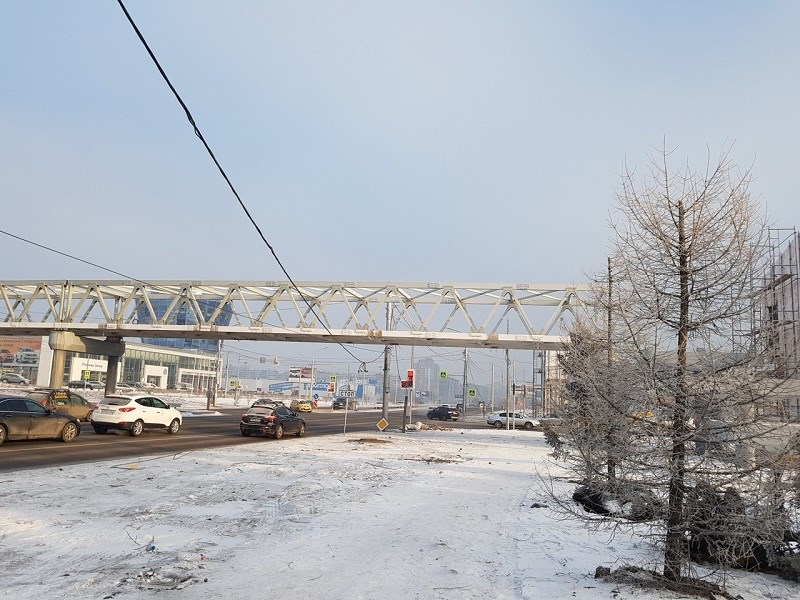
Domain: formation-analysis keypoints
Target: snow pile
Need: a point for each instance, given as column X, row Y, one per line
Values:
column 427, row 514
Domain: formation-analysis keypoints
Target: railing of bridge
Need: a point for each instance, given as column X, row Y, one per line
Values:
column 502, row 315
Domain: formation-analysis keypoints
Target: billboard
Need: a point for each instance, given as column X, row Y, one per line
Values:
column 300, row 374
column 20, row 350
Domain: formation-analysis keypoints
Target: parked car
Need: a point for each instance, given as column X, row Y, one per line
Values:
column 266, row 420
column 507, row 419
column 14, row 378
column 135, row 413
column 443, row 413
column 341, row 403
column 551, row 420
column 64, row 401
column 24, row 419
column 302, row 405
column 124, row 387
column 86, row 385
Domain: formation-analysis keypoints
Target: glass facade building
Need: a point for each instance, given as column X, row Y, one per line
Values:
column 182, row 316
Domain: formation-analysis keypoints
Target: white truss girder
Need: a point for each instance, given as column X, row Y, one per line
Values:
column 513, row 316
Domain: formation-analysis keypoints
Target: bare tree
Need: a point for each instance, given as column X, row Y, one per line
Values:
column 667, row 380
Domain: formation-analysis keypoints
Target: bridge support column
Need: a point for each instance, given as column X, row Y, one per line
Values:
column 57, row 368
column 65, row 341
column 112, row 374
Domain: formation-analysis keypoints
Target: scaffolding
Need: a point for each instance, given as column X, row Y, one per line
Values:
column 781, row 303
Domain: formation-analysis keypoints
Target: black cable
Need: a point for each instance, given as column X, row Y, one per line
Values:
column 199, row 134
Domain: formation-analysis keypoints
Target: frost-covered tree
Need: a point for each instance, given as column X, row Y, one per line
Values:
column 667, row 382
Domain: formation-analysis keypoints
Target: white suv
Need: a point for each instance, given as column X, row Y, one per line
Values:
column 510, row 420
column 134, row 413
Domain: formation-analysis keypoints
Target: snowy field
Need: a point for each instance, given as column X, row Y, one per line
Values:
column 426, row 514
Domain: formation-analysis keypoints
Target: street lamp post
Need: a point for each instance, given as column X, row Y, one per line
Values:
column 311, row 384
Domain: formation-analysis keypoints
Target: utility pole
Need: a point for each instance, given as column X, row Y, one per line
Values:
column 491, row 409
column 464, row 386
column 387, row 354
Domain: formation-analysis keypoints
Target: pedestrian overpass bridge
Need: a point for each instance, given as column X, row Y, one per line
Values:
column 506, row 316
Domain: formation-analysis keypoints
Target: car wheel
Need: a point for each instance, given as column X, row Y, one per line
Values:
column 302, row 431
column 70, row 432
column 245, row 433
column 2, row 435
column 100, row 429
column 136, row 429
column 88, row 417
column 174, row 426
column 528, row 425
column 278, row 432
column 498, row 424
column 4, row 380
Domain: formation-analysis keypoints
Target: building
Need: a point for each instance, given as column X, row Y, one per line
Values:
column 782, row 304
column 182, row 316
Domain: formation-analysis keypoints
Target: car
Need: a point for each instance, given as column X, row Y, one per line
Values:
column 24, row 419
column 64, row 401
column 341, row 403
column 267, row 402
column 516, row 420
column 302, row 405
column 6, row 356
column 26, row 355
column 443, row 413
column 266, row 420
column 551, row 420
column 86, row 385
column 124, row 387
column 14, row 378
column 134, row 413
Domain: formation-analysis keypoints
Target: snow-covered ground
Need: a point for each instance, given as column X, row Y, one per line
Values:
column 426, row 514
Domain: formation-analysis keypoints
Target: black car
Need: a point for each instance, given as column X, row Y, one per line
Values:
column 272, row 420
column 443, row 413
column 24, row 419
column 86, row 385
column 341, row 404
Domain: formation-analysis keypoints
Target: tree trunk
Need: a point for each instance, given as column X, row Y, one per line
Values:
column 675, row 553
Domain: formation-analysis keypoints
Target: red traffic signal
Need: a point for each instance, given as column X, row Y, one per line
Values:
column 410, row 377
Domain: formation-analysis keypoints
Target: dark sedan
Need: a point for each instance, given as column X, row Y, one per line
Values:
column 273, row 421
column 444, row 413
column 24, row 419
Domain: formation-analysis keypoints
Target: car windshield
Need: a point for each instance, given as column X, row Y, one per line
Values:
column 115, row 400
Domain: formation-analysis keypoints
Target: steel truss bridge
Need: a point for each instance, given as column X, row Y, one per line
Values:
column 509, row 316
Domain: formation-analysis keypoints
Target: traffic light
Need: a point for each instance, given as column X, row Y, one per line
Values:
column 410, row 377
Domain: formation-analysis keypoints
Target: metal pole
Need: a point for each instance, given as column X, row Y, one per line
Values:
column 387, row 354
column 491, row 410
column 464, row 386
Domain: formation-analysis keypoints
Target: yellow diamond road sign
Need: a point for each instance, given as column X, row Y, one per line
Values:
column 383, row 424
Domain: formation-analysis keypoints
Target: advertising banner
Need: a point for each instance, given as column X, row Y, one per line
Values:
column 300, row 374
column 20, row 350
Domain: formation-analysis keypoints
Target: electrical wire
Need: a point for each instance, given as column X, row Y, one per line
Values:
column 199, row 135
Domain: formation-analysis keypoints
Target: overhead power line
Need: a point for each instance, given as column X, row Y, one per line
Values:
column 199, row 135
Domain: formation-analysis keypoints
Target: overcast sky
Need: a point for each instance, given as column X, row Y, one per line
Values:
column 372, row 141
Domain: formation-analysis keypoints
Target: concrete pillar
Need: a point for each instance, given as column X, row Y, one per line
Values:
column 65, row 341
column 112, row 374
column 57, row 368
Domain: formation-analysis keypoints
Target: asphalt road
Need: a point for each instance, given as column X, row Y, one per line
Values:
column 197, row 432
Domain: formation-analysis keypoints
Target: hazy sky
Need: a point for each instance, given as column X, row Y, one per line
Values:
column 407, row 141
